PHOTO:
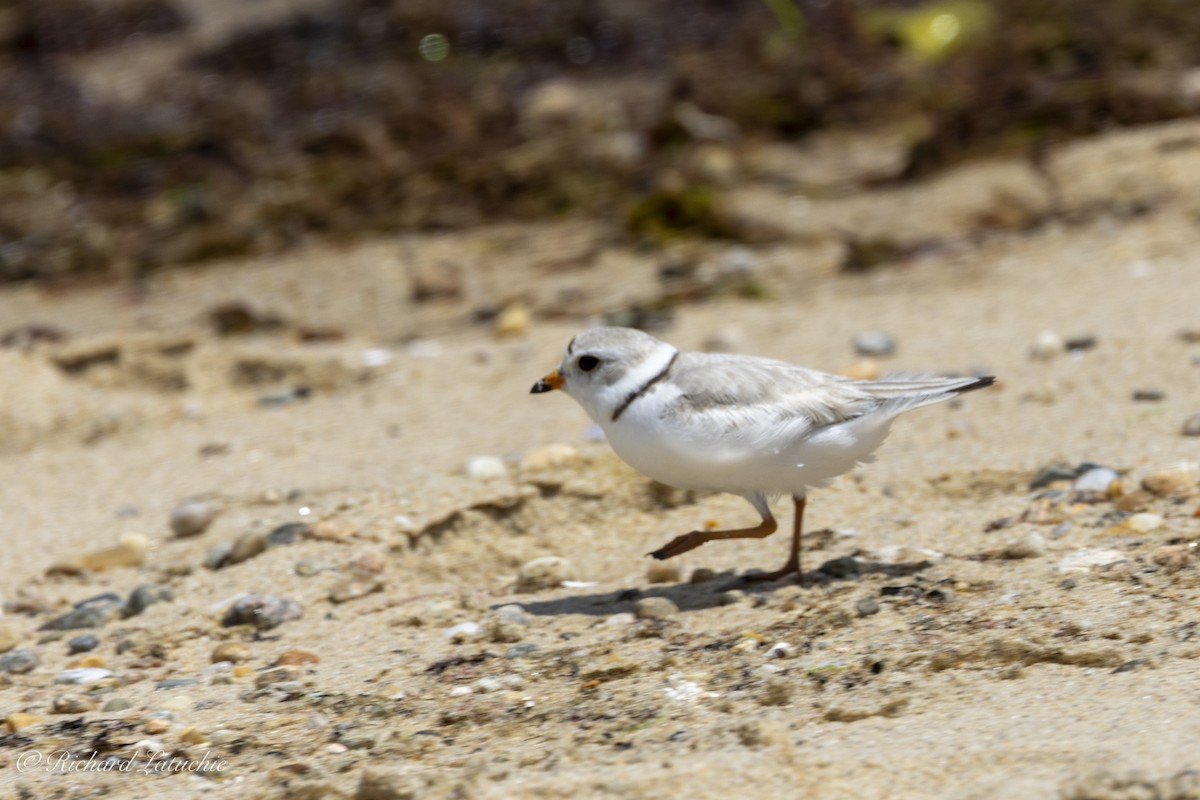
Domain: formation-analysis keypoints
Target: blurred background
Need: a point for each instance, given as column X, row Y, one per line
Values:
column 141, row 134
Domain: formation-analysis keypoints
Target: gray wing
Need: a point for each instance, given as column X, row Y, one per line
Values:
column 741, row 393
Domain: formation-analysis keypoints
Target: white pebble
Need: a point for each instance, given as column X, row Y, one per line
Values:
column 623, row 618
column 1083, row 560
column 461, row 691
column 781, row 650
column 1144, row 523
column 464, row 632
column 486, row 468
column 1047, row 345
column 83, row 675
column 1098, row 480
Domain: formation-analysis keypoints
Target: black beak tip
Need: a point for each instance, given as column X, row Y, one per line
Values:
column 540, row 387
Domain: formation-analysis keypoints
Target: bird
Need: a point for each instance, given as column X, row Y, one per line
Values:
column 744, row 425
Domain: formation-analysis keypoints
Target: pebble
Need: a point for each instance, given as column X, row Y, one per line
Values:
column 702, row 575
column 264, row 611
column 308, row 567
column 86, row 617
column 663, row 572
column 83, row 676
column 520, row 649
column 193, row 517
column 295, row 657
column 218, row 555
column 277, row 675
column 246, row 546
column 620, row 620
column 485, row 468
column 18, row 662
column 1047, row 345
column 1178, row 481
column 336, row 529
column 179, row 702
column 781, row 650
column 1098, row 480
column 353, row 588
column 551, row 456
column 1191, row 426
column 1052, row 473
column 235, row 652
column 547, row 572
column 156, row 726
column 1144, row 522
column 655, row 608
column 8, row 639
column 1031, row 545
column 174, row 683
column 866, row 606
column 732, row 597
column 130, row 552
column 287, row 533
column 145, row 596
column 1080, row 342
column 117, row 704
column 875, row 344
column 19, row 719
column 865, row 370
column 82, row 643
column 464, row 632
column 513, row 321
column 506, row 624
column 192, row 735
column 1148, row 395
column 1172, row 557
column 73, row 704
column 1085, row 559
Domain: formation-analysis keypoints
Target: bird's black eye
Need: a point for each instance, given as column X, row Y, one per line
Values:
column 588, row 363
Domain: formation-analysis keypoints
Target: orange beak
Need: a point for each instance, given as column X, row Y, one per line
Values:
column 548, row 384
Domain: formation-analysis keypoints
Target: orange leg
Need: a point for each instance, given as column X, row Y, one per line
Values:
column 690, row 541
column 793, row 562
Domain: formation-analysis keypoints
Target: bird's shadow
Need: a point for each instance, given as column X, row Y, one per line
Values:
column 698, row 596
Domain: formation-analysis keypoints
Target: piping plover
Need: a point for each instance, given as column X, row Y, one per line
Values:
column 729, row 423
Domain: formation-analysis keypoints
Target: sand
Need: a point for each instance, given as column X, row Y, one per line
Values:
column 942, row 669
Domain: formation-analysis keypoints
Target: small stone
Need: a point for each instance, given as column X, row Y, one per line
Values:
column 1144, row 522
column 19, row 719
column 86, row 617
column 353, row 588
column 1047, row 345
column 865, row 370
column 174, row 683
column 1085, row 559
column 145, row 596
column 1172, row 557
column 277, row 675
column 551, row 456
column 117, row 704
column 83, row 676
column 308, row 567
column 73, row 704
column 485, row 468
column 662, row 572
column 179, row 702
column 547, row 572
column 506, row 625
column 1148, row 395
column 1099, row 481
column 781, row 650
column 264, row 611
column 1080, row 342
column 242, row 671
column 702, row 575
column 1031, row 545
column 8, row 639
column 83, row 643
column 367, row 564
column 866, row 606
column 464, row 632
column 156, row 726
column 130, row 552
column 520, row 650
column 234, row 652
column 732, row 597
column 193, row 517
column 246, row 547
column 295, row 657
column 513, row 321
column 336, row 529
column 655, row 608
column 620, row 620
column 218, row 555
column 1052, row 473
column 287, row 533
column 875, row 344
column 1191, row 426
column 190, row 735
column 1178, row 481
column 18, row 662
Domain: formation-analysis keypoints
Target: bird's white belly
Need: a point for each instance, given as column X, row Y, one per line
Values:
column 673, row 455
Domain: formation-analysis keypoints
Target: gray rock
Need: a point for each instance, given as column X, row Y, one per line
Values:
column 86, row 617
column 875, row 344
column 1191, row 425
column 1149, row 395
column 547, row 572
column 193, row 517
column 83, row 643
column 218, row 555
column 287, row 533
column 655, row 608
column 1031, row 545
column 1052, row 474
column 1080, row 342
column 264, row 611
column 520, row 649
column 145, row 596
column 19, row 661
column 175, row 683
column 867, row 606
